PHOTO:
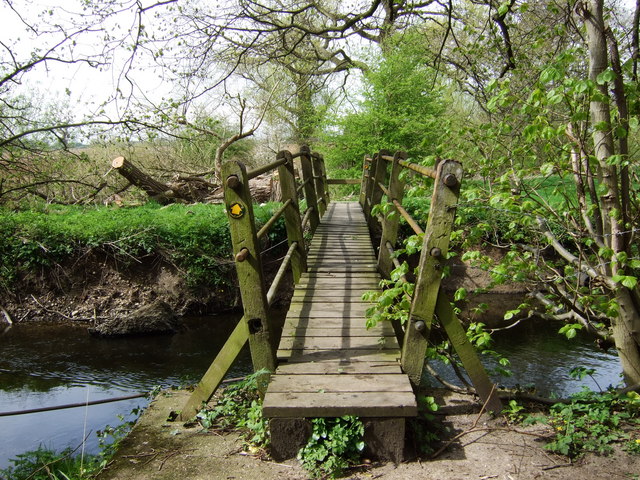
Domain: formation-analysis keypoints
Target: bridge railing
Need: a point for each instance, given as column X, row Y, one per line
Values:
column 257, row 324
column 381, row 178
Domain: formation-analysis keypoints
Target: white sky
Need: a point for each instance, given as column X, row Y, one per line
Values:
column 88, row 86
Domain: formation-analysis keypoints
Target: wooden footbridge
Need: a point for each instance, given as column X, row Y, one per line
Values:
column 325, row 362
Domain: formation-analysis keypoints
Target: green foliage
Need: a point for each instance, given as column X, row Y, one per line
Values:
column 335, row 444
column 240, row 409
column 401, row 109
column 592, row 422
column 45, row 464
column 514, row 411
column 195, row 238
column 423, row 428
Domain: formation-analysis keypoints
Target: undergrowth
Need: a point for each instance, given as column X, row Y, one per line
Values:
column 49, row 464
column 590, row 422
column 193, row 238
column 239, row 408
column 335, row 445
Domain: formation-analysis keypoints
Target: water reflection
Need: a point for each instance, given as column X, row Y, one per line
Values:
column 542, row 359
column 42, row 365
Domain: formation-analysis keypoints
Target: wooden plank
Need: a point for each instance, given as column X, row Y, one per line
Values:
column 337, row 342
column 358, row 382
column 375, row 355
column 303, row 321
column 365, row 404
column 339, row 368
column 348, row 331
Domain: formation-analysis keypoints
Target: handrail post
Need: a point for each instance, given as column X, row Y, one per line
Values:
column 366, row 170
column 309, row 188
column 379, row 176
column 319, row 177
column 434, row 251
column 247, row 251
column 391, row 222
column 292, row 220
column 368, row 191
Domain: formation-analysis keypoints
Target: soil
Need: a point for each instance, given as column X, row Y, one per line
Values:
column 95, row 289
column 474, row 447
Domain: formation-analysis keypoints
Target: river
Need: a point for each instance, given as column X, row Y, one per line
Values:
column 42, row 365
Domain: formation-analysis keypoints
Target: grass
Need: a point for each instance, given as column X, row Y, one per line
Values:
column 195, row 238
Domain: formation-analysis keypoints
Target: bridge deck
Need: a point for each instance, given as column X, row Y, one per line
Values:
column 329, row 363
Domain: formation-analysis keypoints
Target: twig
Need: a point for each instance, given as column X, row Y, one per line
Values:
column 50, row 310
column 173, row 454
column 471, row 430
column 560, row 465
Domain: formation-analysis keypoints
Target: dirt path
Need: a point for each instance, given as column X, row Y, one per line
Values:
column 158, row 449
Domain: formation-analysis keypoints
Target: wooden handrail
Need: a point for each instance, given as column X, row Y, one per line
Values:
column 266, row 168
column 274, row 218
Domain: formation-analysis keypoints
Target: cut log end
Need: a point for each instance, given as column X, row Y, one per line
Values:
column 118, row 162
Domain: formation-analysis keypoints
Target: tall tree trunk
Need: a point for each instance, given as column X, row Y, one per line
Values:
column 626, row 326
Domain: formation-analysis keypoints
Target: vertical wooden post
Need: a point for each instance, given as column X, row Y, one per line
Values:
column 366, row 169
column 309, row 188
column 325, row 183
column 246, row 248
column 390, row 225
column 434, row 250
column 368, row 190
column 319, row 183
column 292, row 220
column 379, row 176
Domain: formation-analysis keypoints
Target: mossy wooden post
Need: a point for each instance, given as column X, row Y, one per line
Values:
column 319, row 183
column 392, row 220
column 216, row 371
column 325, row 182
column 379, row 177
column 246, row 248
column 292, row 220
column 366, row 163
column 467, row 354
column 309, row 188
column 368, row 190
column 434, row 251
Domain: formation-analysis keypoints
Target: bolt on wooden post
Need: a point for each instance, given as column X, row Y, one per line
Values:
column 292, row 220
column 434, row 251
column 391, row 222
column 246, row 249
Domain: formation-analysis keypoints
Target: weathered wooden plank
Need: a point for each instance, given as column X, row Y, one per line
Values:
column 357, row 382
column 329, row 331
column 365, row 404
column 337, row 342
column 338, row 368
column 331, row 355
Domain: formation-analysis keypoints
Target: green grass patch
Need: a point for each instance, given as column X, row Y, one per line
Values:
column 194, row 238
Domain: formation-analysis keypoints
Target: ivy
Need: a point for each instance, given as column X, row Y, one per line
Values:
column 335, row 445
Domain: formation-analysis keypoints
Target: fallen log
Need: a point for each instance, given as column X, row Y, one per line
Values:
column 190, row 189
column 155, row 189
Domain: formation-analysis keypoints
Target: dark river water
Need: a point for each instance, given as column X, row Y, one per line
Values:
column 42, row 365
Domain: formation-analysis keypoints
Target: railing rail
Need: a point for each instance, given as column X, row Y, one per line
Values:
column 257, row 324
column 380, row 179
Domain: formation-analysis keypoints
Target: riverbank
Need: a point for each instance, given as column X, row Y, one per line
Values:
column 475, row 447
